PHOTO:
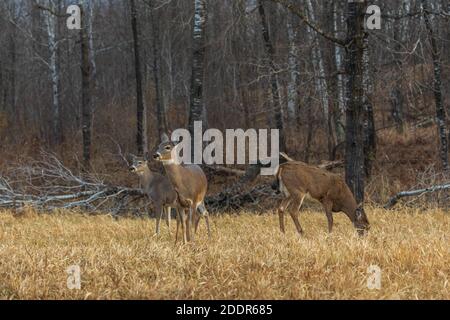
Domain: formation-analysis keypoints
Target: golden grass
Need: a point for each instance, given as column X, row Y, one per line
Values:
column 247, row 258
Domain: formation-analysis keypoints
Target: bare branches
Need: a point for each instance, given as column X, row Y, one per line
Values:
column 47, row 184
column 302, row 15
column 51, row 11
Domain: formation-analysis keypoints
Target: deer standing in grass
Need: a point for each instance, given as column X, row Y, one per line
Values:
column 157, row 188
column 296, row 179
column 190, row 184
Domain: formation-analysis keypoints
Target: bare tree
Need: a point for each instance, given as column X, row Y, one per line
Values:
column 141, row 137
column 160, row 108
column 197, row 110
column 440, row 111
column 51, row 22
column 86, row 89
column 274, row 85
column 354, row 138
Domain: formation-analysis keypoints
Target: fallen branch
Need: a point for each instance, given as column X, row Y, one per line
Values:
column 47, row 184
column 393, row 200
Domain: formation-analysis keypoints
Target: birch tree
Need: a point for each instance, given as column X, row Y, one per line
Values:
column 338, row 59
column 51, row 22
column 292, row 96
column 197, row 110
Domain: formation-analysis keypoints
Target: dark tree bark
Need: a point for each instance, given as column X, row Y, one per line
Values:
column 440, row 111
column 141, row 112
column 196, row 105
column 12, row 94
column 160, row 108
column 396, row 96
column 354, row 135
column 277, row 107
column 370, row 143
column 86, row 92
column 309, row 136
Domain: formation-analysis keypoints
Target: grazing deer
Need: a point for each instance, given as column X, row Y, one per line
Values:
column 190, row 184
column 157, row 187
column 296, row 179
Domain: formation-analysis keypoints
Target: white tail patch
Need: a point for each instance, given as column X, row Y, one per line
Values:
column 283, row 188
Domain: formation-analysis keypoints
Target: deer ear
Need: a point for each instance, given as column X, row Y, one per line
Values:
column 164, row 137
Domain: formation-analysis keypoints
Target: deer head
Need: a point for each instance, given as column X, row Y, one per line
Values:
column 361, row 222
column 138, row 165
column 166, row 150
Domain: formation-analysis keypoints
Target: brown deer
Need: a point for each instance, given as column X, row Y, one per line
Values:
column 157, row 188
column 296, row 179
column 190, row 184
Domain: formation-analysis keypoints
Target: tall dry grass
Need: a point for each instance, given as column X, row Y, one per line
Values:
column 246, row 258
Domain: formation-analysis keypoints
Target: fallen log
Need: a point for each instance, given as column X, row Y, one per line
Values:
column 394, row 199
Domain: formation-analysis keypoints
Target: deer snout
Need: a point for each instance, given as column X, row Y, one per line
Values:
column 157, row 156
column 132, row 169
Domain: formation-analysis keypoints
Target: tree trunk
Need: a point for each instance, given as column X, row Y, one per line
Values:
column 276, row 99
column 338, row 58
column 354, row 136
column 141, row 136
column 12, row 101
column 396, row 95
column 440, row 111
column 86, row 91
column 197, row 111
column 56, row 135
column 160, row 108
column 292, row 103
column 320, row 79
column 370, row 146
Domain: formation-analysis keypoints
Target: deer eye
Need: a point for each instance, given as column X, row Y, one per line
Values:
column 167, row 148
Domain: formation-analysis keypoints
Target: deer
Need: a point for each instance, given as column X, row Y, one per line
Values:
column 190, row 184
column 295, row 180
column 156, row 187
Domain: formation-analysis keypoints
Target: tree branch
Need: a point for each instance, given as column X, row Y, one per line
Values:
column 298, row 12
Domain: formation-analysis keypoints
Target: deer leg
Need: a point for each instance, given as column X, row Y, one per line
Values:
column 184, row 226
column 158, row 212
column 327, row 205
column 196, row 222
column 192, row 220
column 283, row 206
column 178, row 224
column 203, row 212
column 301, row 202
column 168, row 216
column 294, row 216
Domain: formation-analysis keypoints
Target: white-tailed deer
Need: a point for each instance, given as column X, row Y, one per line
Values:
column 296, row 179
column 157, row 187
column 190, row 184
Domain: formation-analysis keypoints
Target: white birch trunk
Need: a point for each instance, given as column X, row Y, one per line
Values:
column 292, row 96
column 51, row 24
column 90, row 18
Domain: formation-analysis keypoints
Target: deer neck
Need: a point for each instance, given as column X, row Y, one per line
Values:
column 146, row 177
column 174, row 173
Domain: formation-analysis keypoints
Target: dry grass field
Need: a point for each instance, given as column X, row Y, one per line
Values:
column 246, row 258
